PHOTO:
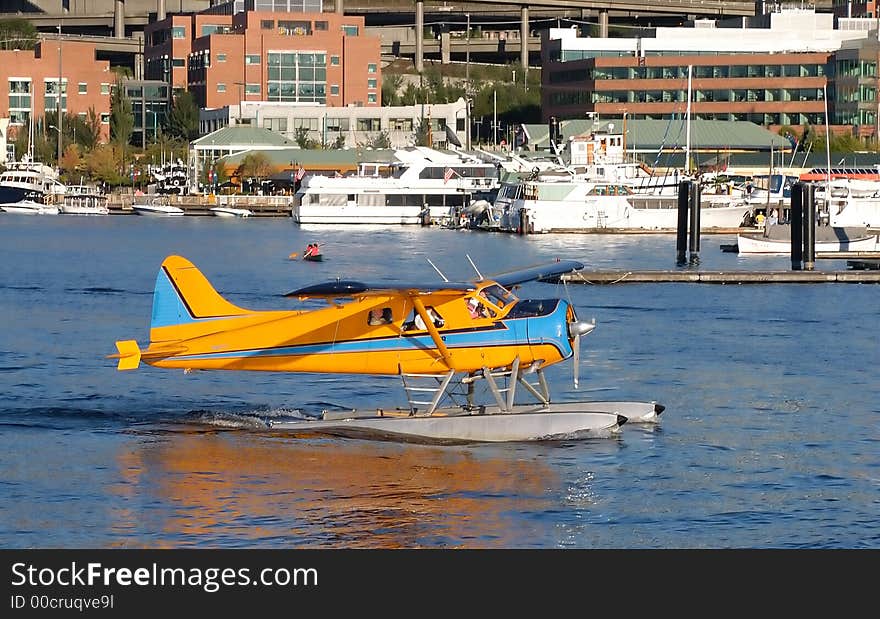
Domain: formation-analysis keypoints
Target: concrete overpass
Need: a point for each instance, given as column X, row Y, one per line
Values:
column 122, row 21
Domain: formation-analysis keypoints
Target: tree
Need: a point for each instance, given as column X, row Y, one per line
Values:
column 70, row 162
column 121, row 117
column 379, row 140
column 422, row 133
column 17, row 33
column 255, row 165
column 301, row 135
column 391, row 84
column 183, row 121
column 103, row 164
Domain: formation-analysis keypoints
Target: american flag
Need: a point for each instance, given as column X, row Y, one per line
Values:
column 447, row 175
column 300, row 173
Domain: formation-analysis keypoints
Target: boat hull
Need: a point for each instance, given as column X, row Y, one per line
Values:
column 220, row 211
column 29, row 207
column 151, row 211
column 566, row 421
column 777, row 241
column 360, row 214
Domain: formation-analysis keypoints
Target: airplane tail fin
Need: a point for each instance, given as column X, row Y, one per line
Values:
column 184, row 302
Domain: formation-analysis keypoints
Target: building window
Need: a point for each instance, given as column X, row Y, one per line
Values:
column 350, row 31
column 105, row 118
column 297, row 76
column 252, row 89
column 320, row 25
column 337, row 124
column 334, row 61
column 83, row 88
column 19, row 100
column 267, row 24
column 369, row 124
column 400, row 124
column 371, row 68
column 105, row 89
column 221, row 57
column 371, row 83
column 296, row 28
column 371, row 97
column 275, row 124
column 252, row 59
column 178, row 32
column 178, row 62
column 221, row 87
column 50, row 100
column 334, row 89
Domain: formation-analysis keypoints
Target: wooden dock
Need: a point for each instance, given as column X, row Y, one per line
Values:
column 722, row 277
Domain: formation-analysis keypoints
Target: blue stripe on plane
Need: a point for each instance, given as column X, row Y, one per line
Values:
column 542, row 329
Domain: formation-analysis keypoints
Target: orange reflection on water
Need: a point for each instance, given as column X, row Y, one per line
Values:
column 231, row 488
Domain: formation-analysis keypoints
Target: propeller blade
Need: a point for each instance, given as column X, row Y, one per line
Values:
column 576, row 361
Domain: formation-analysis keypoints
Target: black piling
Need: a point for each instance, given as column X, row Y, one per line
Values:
column 809, row 227
column 796, row 219
column 695, row 223
column 681, row 232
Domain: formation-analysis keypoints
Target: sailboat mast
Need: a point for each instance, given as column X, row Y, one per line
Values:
column 687, row 145
column 827, row 146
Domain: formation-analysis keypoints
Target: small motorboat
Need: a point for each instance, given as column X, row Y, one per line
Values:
column 229, row 211
column 29, row 207
column 156, row 207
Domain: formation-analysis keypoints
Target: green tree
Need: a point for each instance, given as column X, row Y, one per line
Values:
column 422, row 133
column 301, row 136
column 17, row 33
column 183, row 121
column 379, row 140
column 121, row 117
column 103, row 164
column 391, row 84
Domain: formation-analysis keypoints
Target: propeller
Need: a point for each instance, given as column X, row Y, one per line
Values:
column 577, row 328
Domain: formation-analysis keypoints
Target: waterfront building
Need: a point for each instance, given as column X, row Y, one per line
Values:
column 349, row 126
column 772, row 70
column 30, row 79
column 281, row 56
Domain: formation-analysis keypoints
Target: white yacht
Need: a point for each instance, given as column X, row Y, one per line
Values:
column 423, row 185
column 155, row 206
column 29, row 181
column 84, row 200
column 585, row 205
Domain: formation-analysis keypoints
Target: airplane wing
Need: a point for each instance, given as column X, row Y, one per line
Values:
column 349, row 288
column 541, row 272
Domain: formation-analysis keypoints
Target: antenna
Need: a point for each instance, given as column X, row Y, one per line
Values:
column 480, row 275
column 436, row 269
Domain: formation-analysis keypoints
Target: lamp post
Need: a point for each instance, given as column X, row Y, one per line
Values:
column 467, row 52
column 60, row 112
column 240, row 104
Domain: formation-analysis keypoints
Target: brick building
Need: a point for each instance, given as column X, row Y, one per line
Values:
column 266, row 56
column 30, row 78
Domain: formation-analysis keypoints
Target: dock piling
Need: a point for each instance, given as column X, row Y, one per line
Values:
column 796, row 215
column 809, row 228
column 681, row 231
column 695, row 223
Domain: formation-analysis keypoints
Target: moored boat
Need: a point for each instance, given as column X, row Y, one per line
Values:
column 229, row 211
column 156, row 207
column 29, row 207
column 776, row 240
column 83, row 200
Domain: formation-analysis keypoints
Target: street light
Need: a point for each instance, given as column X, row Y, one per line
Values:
column 240, row 104
column 58, row 94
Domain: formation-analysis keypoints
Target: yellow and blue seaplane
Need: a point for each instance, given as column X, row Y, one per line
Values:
column 443, row 340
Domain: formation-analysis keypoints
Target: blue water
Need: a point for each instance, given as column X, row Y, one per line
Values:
column 770, row 438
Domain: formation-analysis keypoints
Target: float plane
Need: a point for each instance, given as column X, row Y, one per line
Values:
column 443, row 340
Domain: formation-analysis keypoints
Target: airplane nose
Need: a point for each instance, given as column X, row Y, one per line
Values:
column 580, row 327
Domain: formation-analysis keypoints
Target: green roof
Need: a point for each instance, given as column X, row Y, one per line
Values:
column 650, row 135
column 316, row 158
column 243, row 137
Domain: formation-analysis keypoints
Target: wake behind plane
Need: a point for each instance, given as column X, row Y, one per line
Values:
column 443, row 340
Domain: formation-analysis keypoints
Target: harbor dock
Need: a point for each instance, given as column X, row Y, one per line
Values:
column 722, row 277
